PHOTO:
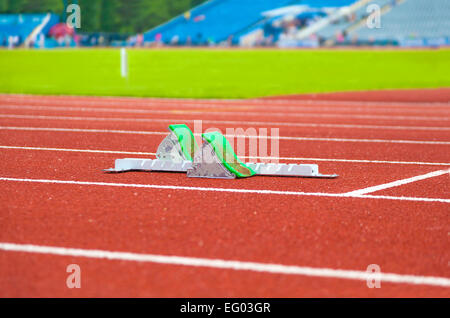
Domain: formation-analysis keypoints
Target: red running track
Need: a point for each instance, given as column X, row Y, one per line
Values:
column 306, row 223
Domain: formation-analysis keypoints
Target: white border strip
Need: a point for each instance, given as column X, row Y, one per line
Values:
column 212, row 102
column 107, row 131
column 83, row 150
column 249, row 157
column 229, row 264
column 398, row 183
column 312, row 114
column 392, row 141
column 251, row 191
column 141, row 108
column 226, row 122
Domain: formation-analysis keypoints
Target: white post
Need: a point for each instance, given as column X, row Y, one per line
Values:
column 123, row 63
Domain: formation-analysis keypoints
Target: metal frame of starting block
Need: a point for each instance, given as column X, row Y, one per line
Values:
column 206, row 164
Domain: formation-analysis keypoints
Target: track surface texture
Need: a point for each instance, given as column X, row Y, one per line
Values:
column 165, row 235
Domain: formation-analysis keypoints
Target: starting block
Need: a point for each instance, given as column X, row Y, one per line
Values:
column 179, row 152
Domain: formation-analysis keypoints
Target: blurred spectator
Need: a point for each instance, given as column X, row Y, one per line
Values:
column 158, row 38
column 139, row 40
column 175, row 40
column 230, row 41
column 41, row 40
column 340, row 38
column 199, row 18
column 13, row 40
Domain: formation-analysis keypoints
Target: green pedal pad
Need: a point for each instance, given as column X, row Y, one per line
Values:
column 216, row 159
column 179, row 145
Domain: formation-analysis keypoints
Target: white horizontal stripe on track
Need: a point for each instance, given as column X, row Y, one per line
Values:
column 230, row 190
column 314, row 114
column 418, row 142
column 106, row 131
column 357, row 103
column 398, row 183
column 224, row 122
column 249, row 157
column 81, row 150
column 121, row 108
column 149, row 101
column 228, row 264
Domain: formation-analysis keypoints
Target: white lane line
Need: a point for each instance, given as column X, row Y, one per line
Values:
column 225, row 122
column 230, row 190
column 122, row 108
column 107, row 131
column 354, row 160
column 314, row 114
column 228, row 264
column 249, row 157
column 394, row 141
column 398, row 183
column 82, row 150
column 262, row 102
column 358, row 103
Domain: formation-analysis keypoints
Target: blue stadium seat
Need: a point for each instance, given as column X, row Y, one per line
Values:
column 22, row 25
column 217, row 20
column 336, row 26
column 412, row 18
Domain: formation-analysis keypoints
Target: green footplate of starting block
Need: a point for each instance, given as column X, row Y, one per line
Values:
column 227, row 156
column 186, row 140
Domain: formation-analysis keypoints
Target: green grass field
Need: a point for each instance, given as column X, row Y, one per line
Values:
column 219, row 73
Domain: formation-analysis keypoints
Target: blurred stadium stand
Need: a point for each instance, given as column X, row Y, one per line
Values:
column 411, row 23
column 25, row 28
column 348, row 20
column 223, row 21
column 214, row 21
column 297, row 23
column 282, row 23
column 403, row 22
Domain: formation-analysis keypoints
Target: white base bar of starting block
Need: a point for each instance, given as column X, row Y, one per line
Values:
column 262, row 169
column 128, row 164
column 274, row 169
